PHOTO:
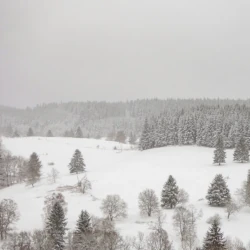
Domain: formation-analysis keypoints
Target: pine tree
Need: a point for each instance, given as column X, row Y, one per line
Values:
column 79, row 133
column 218, row 193
column 169, row 196
column 77, row 164
column 144, row 140
column 49, row 133
column 214, row 239
column 241, row 152
column 30, row 132
column 56, row 227
column 219, row 152
column 83, row 224
column 33, row 169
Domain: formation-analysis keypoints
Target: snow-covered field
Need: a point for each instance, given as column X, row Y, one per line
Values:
column 126, row 173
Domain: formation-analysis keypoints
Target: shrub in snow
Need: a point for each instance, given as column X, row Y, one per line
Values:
column 148, row 202
column 218, row 193
column 114, row 207
column 169, row 195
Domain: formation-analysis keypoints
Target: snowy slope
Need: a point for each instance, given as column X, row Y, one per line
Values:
column 125, row 173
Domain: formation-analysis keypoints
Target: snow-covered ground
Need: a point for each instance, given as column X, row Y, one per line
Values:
column 126, row 173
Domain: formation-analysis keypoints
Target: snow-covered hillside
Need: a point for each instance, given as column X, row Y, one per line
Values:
column 125, row 172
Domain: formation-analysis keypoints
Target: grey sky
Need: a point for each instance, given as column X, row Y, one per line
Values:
column 68, row 50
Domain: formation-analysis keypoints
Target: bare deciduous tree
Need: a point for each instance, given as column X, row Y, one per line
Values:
column 158, row 238
column 8, row 216
column 184, row 221
column 231, row 208
column 182, row 197
column 85, row 184
column 114, row 207
column 148, row 202
column 53, row 175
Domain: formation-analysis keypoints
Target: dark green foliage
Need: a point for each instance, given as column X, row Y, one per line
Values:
column 77, row 164
column 219, row 152
column 214, row 239
column 145, row 137
column 49, row 133
column 30, row 132
column 218, row 193
column 241, row 152
column 169, row 196
column 56, row 227
column 79, row 133
column 33, row 169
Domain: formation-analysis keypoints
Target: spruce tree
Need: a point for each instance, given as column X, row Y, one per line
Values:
column 241, row 152
column 169, row 196
column 79, row 133
column 49, row 133
column 145, row 140
column 214, row 239
column 33, row 169
column 56, row 227
column 219, row 152
column 30, row 132
column 77, row 164
column 83, row 224
column 218, row 193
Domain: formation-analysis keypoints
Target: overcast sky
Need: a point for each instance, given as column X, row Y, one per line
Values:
column 66, row 50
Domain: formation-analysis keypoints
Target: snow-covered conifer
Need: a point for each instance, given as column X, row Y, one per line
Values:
column 33, row 169
column 214, row 239
column 218, row 193
column 56, row 227
column 219, row 152
column 79, row 133
column 241, row 152
column 169, row 195
column 77, row 164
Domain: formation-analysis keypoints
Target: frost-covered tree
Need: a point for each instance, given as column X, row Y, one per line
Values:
column 218, row 193
column 169, row 195
column 214, row 239
column 49, row 133
column 33, row 169
column 244, row 192
column 77, row 164
column 182, row 197
column 132, row 138
column 114, row 207
column 53, row 175
column 79, row 133
column 148, row 202
column 232, row 207
column 9, row 214
column 219, row 152
column 83, row 231
column 56, row 226
column 145, row 137
column 241, row 152
column 30, row 132
column 51, row 200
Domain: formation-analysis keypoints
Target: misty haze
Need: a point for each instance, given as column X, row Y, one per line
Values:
column 124, row 125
